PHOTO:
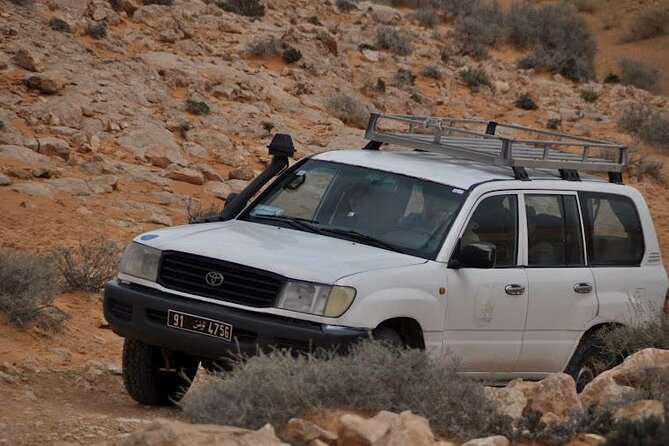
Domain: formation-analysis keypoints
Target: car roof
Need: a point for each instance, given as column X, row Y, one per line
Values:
column 434, row 166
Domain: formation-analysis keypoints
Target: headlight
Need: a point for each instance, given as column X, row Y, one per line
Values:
column 140, row 261
column 315, row 298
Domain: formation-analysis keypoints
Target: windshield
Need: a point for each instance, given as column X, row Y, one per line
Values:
column 373, row 207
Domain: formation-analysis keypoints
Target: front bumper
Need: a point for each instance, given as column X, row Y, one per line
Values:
column 139, row 312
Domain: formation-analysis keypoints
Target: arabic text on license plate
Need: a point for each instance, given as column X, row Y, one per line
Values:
column 199, row 324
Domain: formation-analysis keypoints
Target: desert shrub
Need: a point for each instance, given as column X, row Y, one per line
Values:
column 404, row 77
column 649, row 431
column 89, row 265
column 643, row 167
column 197, row 107
column 640, row 74
column 648, row 123
column 370, row 86
column 589, row 95
column 291, row 55
column 647, row 24
column 444, row 55
column 559, row 39
column 273, row 387
column 347, row 108
column 158, row 2
column 28, row 287
column 426, row 16
column 530, row 428
column 622, row 341
column 473, row 49
column 345, row 5
column 525, row 102
column 394, row 40
column 57, row 24
column 479, row 22
column 474, row 78
column 432, row 71
column 2, row 125
column 611, row 78
column 265, row 46
column 248, row 8
column 553, row 123
column 98, row 30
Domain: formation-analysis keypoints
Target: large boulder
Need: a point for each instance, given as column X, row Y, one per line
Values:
column 50, row 82
column 153, row 143
column 305, row 432
column 355, row 430
column 408, row 429
column 638, row 410
column 54, row 147
column 495, row 440
column 555, row 394
column 510, row 402
column 176, row 433
column 178, row 173
column 28, row 58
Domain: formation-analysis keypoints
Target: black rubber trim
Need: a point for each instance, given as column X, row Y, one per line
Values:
column 256, row 330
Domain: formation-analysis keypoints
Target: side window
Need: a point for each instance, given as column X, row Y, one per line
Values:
column 553, row 231
column 495, row 221
column 612, row 228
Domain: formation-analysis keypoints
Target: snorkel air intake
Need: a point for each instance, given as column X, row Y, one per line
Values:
column 281, row 148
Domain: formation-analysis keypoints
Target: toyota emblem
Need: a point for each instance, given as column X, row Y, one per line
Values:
column 214, row 278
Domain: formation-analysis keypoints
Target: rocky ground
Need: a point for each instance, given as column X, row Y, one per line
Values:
column 109, row 136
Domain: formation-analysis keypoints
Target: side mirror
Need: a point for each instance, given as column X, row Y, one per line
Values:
column 475, row 255
column 231, row 196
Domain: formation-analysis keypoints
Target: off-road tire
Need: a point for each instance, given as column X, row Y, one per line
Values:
column 388, row 336
column 589, row 359
column 144, row 380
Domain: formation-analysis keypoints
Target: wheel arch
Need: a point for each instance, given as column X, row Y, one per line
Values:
column 408, row 328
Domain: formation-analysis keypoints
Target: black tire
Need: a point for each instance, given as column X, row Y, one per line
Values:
column 588, row 361
column 388, row 336
column 144, row 380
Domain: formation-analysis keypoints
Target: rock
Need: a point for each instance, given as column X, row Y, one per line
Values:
column 49, row 82
column 636, row 369
column 5, row 180
column 103, row 184
column 195, row 150
column 184, row 174
column 54, row 146
column 495, row 440
column 237, row 185
column 3, row 62
column 603, row 393
column 408, row 429
column 217, row 189
column 241, row 173
column 7, row 378
column 154, row 140
column 23, row 155
column 175, row 433
column 510, row 402
column 29, row 59
column 556, row 393
column 586, row 440
column 640, row 409
column 71, row 186
column 33, row 189
column 370, row 55
column 385, row 14
column 501, row 86
column 41, row 172
column 160, row 219
column 354, row 430
column 305, row 432
column 208, row 172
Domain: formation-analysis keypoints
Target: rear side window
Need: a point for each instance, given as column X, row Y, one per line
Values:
column 612, row 229
column 553, row 231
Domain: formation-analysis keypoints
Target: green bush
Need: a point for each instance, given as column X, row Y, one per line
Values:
column 28, row 287
column 404, row 77
column 394, row 39
column 649, row 431
column 475, row 78
column 291, row 55
column 553, row 123
column 345, row 5
column 525, row 102
column 248, row 8
column 98, row 31
column 197, row 107
column 589, row 95
column 265, row 46
column 89, row 265
column 646, row 122
column 648, row 24
column 558, row 37
column 621, row 341
column 57, row 24
column 273, row 387
column 640, row 74
column 432, row 71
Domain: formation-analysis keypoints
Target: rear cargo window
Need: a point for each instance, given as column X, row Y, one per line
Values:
column 612, row 228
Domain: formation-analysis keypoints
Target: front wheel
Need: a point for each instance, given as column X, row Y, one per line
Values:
column 156, row 376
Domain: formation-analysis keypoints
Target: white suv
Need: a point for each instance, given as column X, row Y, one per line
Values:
column 455, row 247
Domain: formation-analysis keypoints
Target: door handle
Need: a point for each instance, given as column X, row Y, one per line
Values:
column 583, row 288
column 514, row 289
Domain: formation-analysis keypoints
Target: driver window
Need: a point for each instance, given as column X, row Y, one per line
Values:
column 496, row 221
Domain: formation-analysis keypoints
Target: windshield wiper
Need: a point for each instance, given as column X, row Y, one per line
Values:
column 295, row 222
column 367, row 239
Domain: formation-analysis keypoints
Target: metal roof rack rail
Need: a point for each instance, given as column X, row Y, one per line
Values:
column 499, row 144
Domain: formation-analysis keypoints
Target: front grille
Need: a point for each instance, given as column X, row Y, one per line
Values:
column 241, row 284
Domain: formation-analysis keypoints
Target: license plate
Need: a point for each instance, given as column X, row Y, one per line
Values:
column 199, row 324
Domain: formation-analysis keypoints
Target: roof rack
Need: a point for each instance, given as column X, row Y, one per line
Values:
column 499, row 144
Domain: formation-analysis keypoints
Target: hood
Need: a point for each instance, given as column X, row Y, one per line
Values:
column 291, row 253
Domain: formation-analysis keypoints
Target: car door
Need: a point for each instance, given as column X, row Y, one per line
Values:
column 562, row 294
column 486, row 308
